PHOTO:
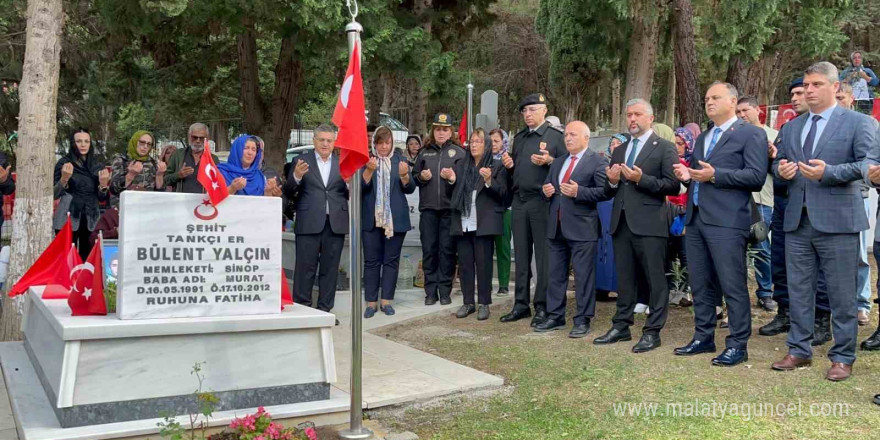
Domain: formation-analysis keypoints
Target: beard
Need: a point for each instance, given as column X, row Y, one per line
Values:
column 198, row 147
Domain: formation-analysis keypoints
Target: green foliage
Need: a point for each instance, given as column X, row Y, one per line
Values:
column 207, row 402
column 131, row 118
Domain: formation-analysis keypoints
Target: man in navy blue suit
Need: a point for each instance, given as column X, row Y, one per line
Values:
column 729, row 163
column 574, row 185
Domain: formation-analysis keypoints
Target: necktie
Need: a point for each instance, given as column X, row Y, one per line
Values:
column 715, row 134
column 565, row 179
column 811, row 138
column 631, row 159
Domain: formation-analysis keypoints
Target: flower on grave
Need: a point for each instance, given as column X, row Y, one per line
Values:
column 260, row 426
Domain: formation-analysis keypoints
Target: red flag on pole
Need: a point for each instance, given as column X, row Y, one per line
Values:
column 349, row 117
column 87, row 291
column 784, row 114
column 463, row 128
column 210, row 177
column 762, row 114
column 286, row 296
column 57, row 291
column 51, row 267
column 875, row 111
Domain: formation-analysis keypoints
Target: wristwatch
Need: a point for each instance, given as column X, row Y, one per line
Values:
column 712, row 179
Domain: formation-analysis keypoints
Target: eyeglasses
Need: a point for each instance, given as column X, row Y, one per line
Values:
column 198, row 138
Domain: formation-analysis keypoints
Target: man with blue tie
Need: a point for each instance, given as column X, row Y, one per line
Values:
column 574, row 186
column 821, row 157
column 729, row 163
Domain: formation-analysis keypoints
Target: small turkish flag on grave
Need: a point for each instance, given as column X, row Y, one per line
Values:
column 51, row 267
column 87, row 289
column 210, row 177
column 56, row 291
column 286, row 297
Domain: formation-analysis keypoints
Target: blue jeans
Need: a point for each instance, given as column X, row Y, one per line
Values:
column 763, row 274
column 864, row 280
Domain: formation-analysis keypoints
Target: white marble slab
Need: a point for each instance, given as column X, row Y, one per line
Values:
column 36, row 421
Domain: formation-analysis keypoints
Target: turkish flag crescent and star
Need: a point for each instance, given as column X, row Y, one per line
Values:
column 210, row 177
column 57, row 291
column 87, row 288
column 785, row 113
column 349, row 117
column 51, row 267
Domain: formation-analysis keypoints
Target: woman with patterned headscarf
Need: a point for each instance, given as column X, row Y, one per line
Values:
column 684, row 144
column 136, row 170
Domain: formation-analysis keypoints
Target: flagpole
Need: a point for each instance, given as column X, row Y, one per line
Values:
column 355, row 430
column 470, row 111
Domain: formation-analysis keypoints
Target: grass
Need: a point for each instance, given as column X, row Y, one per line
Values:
column 567, row 389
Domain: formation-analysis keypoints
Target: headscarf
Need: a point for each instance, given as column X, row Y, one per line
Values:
column 694, row 129
column 418, row 139
column 133, row 146
column 165, row 151
column 622, row 137
column 87, row 164
column 685, row 134
column 664, row 132
column 382, row 177
column 464, row 188
column 232, row 169
column 505, row 144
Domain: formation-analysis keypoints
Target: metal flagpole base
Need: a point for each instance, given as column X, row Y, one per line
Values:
column 362, row 433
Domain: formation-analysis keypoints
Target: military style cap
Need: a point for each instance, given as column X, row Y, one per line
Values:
column 534, row 98
column 798, row 82
column 443, row 120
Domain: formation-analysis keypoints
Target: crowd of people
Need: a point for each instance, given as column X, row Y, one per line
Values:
column 618, row 220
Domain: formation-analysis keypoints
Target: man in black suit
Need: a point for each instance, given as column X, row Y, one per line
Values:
column 640, row 177
column 321, row 198
column 574, row 185
column 729, row 163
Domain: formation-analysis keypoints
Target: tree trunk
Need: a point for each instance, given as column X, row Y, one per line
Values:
column 615, row 104
column 689, row 104
column 248, row 75
column 32, row 216
column 738, row 73
column 374, row 94
column 220, row 135
column 288, row 81
column 670, row 99
column 642, row 51
column 420, row 105
column 596, row 106
column 387, row 92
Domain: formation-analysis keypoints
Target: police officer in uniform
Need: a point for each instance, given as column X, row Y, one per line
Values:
column 534, row 149
column 435, row 176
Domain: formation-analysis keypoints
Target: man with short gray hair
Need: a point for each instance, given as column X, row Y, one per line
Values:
column 181, row 172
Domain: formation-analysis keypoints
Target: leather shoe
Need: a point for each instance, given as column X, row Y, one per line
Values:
column 482, row 312
column 695, row 347
column 613, row 335
column 876, row 399
column 445, row 300
column 781, row 323
column 549, row 325
column 872, row 343
column 516, row 315
column 863, row 318
column 465, row 310
column 730, row 357
column 768, row 304
column 579, row 331
column 838, row 372
column 430, row 300
column 647, row 342
column 540, row 316
column 790, row 362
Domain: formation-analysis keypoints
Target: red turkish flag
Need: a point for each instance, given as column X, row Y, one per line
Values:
column 286, row 296
column 784, row 114
column 87, row 291
column 463, row 128
column 210, row 177
column 349, row 117
column 57, row 291
column 875, row 111
column 51, row 267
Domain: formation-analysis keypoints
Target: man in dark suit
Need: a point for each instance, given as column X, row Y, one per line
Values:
column 574, row 185
column 729, row 163
column 640, row 177
column 321, row 198
column 823, row 157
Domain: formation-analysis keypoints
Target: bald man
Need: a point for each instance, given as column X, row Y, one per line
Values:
column 574, row 185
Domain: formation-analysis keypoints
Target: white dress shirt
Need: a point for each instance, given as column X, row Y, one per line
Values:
column 324, row 167
column 565, row 164
column 643, row 139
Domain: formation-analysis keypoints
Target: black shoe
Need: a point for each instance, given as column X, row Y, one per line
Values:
column 503, row 291
column 613, row 335
column 465, row 310
column 540, row 316
column 821, row 329
column 579, row 331
column 337, row 322
column 767, row 304
column 696, row 347
column 482, row 312
column 549, row 325
column 781, row 323
column 647, row 342
column 516, row 315
column 872, row 343
column 430, row 300
column 730, row 357
column 445, row 300
column 877, row 399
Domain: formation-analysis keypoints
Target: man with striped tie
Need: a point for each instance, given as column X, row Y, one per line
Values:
column 729, row 163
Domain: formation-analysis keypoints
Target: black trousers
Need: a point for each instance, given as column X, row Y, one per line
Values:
column 632, row 253
column 438, row 252
column 581, row 256
column 475, row 260
column 529, row 226
column 381, row 263
column 317, row 254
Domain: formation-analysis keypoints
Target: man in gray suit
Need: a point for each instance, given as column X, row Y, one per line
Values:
column 823, row 157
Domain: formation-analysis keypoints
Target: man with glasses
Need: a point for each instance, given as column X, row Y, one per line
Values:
column 534, row 149
column 182, row 166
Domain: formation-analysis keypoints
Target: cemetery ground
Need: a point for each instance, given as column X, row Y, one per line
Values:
column 561, row 388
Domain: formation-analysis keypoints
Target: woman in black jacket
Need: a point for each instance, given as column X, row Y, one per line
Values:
column 384, row 220
column 81, row 183
column 479, row 200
